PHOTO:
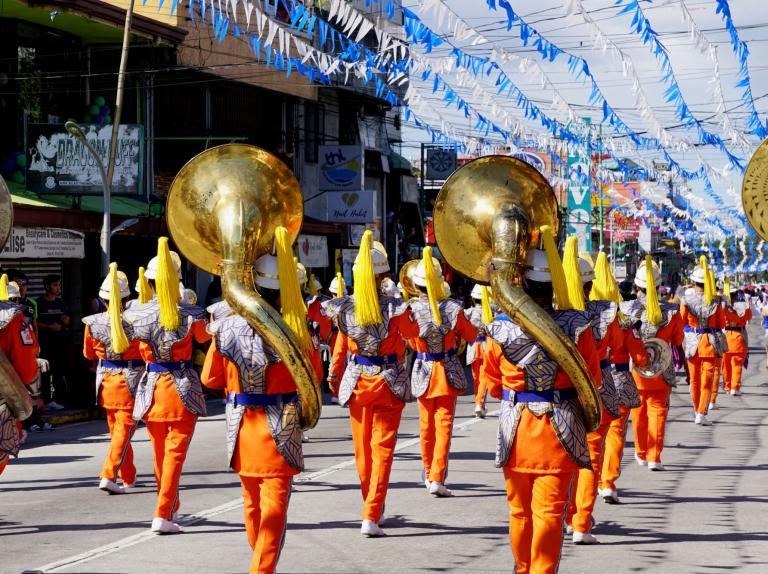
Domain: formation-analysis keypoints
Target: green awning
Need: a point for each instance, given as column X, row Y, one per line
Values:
column 126, row 206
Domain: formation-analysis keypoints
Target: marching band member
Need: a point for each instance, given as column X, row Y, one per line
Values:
column 479, row 315
column 372, row 380
column 263, row 432
column 660, row 320
column 438, row 377
column 607, row 334
column 541, row 440
column 143, row 291
column 19, row 344
column 604, row 288
column 737, row 315
column 704, row 319
column 169, row 396
column 120, row 367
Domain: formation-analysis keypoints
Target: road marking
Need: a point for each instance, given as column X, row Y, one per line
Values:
column 135, row 539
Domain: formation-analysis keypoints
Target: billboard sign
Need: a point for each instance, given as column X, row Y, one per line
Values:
column 341, row 167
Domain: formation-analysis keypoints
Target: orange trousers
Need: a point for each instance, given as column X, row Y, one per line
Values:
column 170, row 441
column 120, row 454
column 704, row 375
column 436, row 426
column 582, row 501
column 265, row 502
column 614, row 450
column 537, row 504
column 649, row 421
column 481, row 387
column 374, row 435
column 733, row 367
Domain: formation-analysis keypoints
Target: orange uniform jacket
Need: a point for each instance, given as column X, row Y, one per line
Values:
column 716, row 321
column 735, row 337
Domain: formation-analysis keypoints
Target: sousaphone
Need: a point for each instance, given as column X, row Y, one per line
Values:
column 659, row 358
column 487, row 217
column 12, row 389
column 754, row 190
column 223, row 208
column 406, row 277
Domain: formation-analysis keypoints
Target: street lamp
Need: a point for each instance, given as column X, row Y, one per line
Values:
column 104, row 240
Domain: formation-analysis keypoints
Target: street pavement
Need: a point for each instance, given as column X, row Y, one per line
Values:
column 704, row 514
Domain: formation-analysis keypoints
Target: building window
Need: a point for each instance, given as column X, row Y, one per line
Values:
column 312, row 131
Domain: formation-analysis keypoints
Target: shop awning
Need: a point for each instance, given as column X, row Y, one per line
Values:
column 126, row 206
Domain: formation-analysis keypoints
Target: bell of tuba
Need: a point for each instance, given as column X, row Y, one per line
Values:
column 754, row 190
column 487, row 217
column 406, row 277
column 222, row 211
column 12, row 388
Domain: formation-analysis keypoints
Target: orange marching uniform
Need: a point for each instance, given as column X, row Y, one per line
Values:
column 704, row 319
column 475, row 350
column 169, row 397
column 369, row 369
column 650, row 418
column 437, row 377
column 117, row 376
column 737, row 317
column 263, row 432
column 18, row 342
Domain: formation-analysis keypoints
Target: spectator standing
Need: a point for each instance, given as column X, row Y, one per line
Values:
column 53, row 326
column 30, row 305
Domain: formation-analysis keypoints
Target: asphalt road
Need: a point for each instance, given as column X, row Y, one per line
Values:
column 704, row 514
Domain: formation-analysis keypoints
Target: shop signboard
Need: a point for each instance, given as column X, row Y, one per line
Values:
column 441, row 163
column 313, row 250
column 579, row 199
column 351, row 206
column 538, row 159
column 348, row 257
column 44, row 243
column 57, row 162
column 356, row 233
column 341, row 167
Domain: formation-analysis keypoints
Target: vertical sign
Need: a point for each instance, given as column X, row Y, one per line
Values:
column 579, row 198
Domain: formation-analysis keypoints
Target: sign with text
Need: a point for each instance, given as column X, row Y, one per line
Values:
column 341, row 167
column 57, row 162
column 579, row 199
column 44, row 243
column 356, row 233
column 351, row 206
column 313, row 250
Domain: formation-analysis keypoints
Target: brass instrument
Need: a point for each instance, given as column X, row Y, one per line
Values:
column 487, row 217
column 406, row 277
column 12, row 388
column 223, row 207
column 659, row 357
column 754, row 190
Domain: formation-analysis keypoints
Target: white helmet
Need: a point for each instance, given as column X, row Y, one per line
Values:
column 420, row 275
column 265, row 272
column 318, row 285
column 105, row 290
column 698, row 275
column 446, row 289
column 334, row 286
column 538, row 266
column 380, row 261
column 151, row 271
column 477, row 292
column 586, row 271
column 641, row 275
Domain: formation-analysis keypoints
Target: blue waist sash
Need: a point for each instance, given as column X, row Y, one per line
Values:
column 699, row 331
column 120, row 364
column 538, row 396
column 621, row 367
column 260, row 400
column 734, row 329
column 374, row 361
column 605, row 363
column 436, row 356
column 168, row 366
column 480, row 339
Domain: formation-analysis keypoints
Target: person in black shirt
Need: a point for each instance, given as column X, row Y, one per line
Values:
column 53, row 325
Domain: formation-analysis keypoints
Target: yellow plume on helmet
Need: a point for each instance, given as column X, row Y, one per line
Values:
column 485, row 301
column 312, row 286
column 434, row 281
column 145, row 289
column 341, row 287
column 367, row 309
column 709, row 288
column 4, row 287
column 727, row 289
column 117, row 334
column 652, row 307
column 604, row 286
column 559, row 285
column 293, row 309
column 167, row 285
column 572, row 273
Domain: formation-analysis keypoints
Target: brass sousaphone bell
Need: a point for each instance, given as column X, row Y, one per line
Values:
column 12, row 388
column 754, row 190
column 487, row 217
column 659, row 357
column 406, row 277
column 223, row 208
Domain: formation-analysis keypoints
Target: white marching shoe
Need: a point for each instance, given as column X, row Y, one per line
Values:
column 713, row 406
column 370, row 529
column 438, row 489
column 584, row 538
column 640, row 461
column 110, row 486
column 480, row 411
column 702, row 420
column 655, row 466
column 609, row 495
column 163, row 526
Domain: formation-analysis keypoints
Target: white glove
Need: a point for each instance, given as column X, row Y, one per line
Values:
column 43, row 365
